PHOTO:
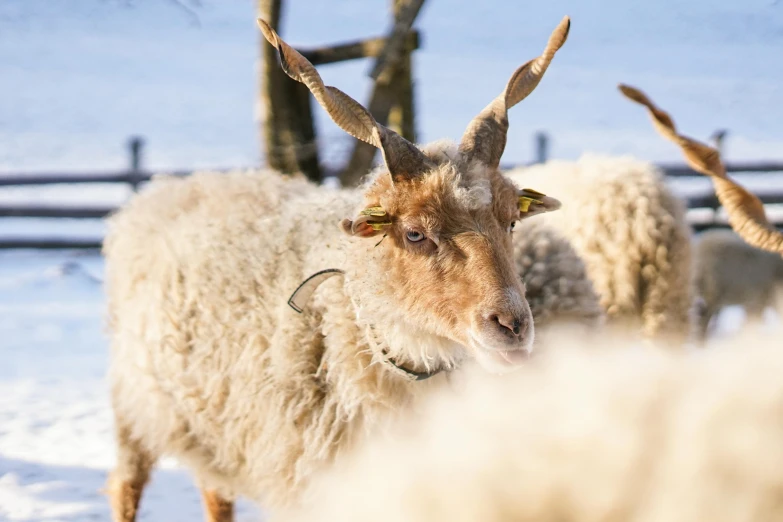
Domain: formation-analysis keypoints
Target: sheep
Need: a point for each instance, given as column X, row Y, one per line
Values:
column 211, row 365
column 557, row 286
column 630, row 229
column 728, row 271
column 609, row 434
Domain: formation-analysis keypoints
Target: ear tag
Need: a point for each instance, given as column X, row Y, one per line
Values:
column 527, row 197
column 379, row 225
column 531, row 192
column 524, row 203
column 373, row 211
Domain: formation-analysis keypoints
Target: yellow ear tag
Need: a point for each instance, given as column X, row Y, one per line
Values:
column 379, row 225
column 374, row 211
column 531, row 192
column 527, row 197
column 524, row 203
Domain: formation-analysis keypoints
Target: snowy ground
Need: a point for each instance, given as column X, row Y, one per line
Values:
column 55, row 422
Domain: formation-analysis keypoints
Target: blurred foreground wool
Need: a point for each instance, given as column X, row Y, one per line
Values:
column 616, row 433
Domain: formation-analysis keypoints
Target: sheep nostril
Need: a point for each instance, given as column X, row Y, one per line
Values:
column 508, row 324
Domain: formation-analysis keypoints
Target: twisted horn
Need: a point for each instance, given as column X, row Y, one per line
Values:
column 745, row 211
column 485, row 137
column 402, row 157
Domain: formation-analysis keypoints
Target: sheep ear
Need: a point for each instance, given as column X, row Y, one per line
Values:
column 532, row 203
column 369, row 223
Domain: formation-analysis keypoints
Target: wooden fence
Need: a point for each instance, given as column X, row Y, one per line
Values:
column 287, row 125
column 135, row 175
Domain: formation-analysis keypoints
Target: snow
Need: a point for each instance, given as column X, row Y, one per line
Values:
column 56, row 439
column 80, row 77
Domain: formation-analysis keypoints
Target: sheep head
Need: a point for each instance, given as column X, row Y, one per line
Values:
column 745, row 211
column 447, row 213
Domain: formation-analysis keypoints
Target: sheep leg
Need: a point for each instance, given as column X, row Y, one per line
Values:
column 218, row 509
column 126, row 482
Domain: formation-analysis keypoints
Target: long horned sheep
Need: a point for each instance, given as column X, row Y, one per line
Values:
column 209, row 363
column 630, row 230
column 729, row 271
column 580, row 435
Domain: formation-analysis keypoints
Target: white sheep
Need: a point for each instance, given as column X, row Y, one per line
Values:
column 557, row 286
column 610, row 434
column 728, row 271
column 210, row 364
column 630, row 229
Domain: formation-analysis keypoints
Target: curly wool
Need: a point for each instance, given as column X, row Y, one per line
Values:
column 193, row 268
column 557, row 286
column 630, row 230
column 609, row 434
column 206, row 367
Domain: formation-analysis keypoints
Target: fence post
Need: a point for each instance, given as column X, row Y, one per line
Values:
column 135, row 147
column 718, row 136
column 402, row 114
column 391, row 101
column 542, row 147
column 288, row 132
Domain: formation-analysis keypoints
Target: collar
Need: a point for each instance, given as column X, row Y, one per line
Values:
column 412, row 375
column 305, row 290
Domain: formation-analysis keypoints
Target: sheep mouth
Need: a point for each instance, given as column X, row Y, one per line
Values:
column 514, row 356
column 500, row 360
column 510, row 357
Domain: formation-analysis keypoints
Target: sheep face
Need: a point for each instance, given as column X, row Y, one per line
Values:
column 447, row 267
column 447, row 256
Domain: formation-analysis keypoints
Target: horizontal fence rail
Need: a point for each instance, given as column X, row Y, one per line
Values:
column 682, row 170
column 135, row 176
column 53, row 243
column 130, row 178
column 134, row 179
column 51, row 211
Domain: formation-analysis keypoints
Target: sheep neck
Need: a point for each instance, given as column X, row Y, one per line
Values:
column 305, row 290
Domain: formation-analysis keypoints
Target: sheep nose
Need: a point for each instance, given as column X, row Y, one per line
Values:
column 510, row 324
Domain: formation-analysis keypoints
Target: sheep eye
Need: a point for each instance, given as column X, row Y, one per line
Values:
column 511, row 227
column 414, row 236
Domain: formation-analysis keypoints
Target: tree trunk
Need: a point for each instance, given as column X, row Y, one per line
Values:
column 391, row 102
column 287, row 126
